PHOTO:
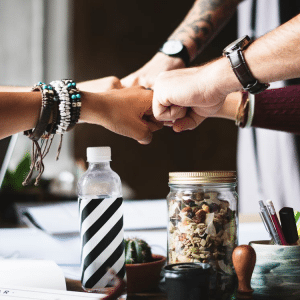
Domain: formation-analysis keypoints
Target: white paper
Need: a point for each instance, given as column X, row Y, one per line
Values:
column 31, row 273
column 145, row 214
column 59, row 218
column 63, row 218
column 32, row 243
column 19, row 293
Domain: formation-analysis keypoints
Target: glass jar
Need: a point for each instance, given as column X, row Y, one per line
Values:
column 203, row 224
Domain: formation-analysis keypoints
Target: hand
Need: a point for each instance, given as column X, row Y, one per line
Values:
column 184, row 98
column 100, row 85
column 125, row 111
column 146, row 75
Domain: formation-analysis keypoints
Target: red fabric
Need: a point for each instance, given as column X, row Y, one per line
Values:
column 278, row 109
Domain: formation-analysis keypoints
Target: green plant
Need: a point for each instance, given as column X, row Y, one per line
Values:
column 137, row 251
column 13, row 179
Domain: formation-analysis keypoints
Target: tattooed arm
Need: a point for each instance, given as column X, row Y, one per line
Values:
column 202, row 23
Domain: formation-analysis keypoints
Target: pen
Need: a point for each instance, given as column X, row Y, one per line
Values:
column 288, row 225
column 268, row 223
column 272, row 212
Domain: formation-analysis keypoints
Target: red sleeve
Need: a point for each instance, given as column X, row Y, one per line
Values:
column 278, row 109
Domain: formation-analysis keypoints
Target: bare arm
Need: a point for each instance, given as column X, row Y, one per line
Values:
column 124, row 111
column 273, row 57
column 202, row 23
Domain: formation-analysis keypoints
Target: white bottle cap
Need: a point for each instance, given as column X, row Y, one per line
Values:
column 98, row 154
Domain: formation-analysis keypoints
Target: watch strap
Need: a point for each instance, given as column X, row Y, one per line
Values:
column 242, row 72
column 183, row 54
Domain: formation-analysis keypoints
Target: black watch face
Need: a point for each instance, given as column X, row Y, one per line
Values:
column 172, row 47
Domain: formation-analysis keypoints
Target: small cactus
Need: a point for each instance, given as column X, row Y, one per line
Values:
column 137, row 251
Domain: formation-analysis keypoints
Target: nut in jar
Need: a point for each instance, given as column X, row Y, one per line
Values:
column 203, row 220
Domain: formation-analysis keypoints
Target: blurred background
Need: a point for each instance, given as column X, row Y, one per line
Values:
column 89, row 39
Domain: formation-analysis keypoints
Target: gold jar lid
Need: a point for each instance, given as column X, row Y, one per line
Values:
column 202, row 177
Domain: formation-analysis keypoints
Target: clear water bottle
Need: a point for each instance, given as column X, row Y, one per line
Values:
column 101, row 221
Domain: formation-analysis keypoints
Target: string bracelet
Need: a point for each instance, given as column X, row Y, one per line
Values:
column 242, row 113
column 39, row 151
column 61, row 100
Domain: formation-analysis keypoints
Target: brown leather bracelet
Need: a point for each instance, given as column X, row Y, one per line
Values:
column 242, row 114
column 45, row 114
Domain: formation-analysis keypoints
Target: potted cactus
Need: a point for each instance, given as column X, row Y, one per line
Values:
column 142, row 267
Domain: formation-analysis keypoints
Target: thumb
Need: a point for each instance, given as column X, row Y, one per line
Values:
column 147, row 140
column 130, row 81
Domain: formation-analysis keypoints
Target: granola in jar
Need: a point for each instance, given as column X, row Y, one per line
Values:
column 203, row 222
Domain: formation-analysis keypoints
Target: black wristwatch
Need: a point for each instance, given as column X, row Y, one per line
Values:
column 175, row 48
column 240, row 68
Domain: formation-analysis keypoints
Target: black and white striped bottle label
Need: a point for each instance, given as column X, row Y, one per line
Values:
column 102, row 241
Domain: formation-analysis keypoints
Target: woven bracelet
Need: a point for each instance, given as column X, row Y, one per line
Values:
column 47, row 104
column 40, row 151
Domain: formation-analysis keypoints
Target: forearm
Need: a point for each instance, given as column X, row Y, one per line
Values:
column 272, row 57
column 19, row 89
column 203, row 22
column 18, row 112
column 275, row 56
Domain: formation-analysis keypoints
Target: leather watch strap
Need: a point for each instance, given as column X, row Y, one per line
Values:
column 242, row 72
column 184, row 55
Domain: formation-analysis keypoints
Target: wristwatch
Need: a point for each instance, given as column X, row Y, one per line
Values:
column 240, row 67
column 175, row 48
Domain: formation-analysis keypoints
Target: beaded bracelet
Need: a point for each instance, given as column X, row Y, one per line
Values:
column 69, row 104
column 69, row 107
column 64, row 106
column 75, row 98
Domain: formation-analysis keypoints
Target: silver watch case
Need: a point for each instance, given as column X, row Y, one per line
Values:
column 240, row 43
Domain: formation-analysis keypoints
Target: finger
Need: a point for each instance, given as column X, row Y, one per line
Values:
column 154, row 125
column 145, row 82
column 168, row 113
column 189, row 122
column 147, row 140
column 130, row 81
column 168, row 123
column 117, row 84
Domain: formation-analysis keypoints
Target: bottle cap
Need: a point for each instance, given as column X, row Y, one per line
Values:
column 98, row 154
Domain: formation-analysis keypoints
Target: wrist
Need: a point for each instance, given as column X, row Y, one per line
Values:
column 230, row 107
column 167, row 62
column 223, row 76
column 92, row 107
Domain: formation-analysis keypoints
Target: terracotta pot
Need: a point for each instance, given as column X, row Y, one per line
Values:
column 146, row 276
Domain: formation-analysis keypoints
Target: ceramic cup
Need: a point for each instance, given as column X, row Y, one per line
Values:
column 276, row 273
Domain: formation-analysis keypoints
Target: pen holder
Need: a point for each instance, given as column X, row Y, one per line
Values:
column 276, row 273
